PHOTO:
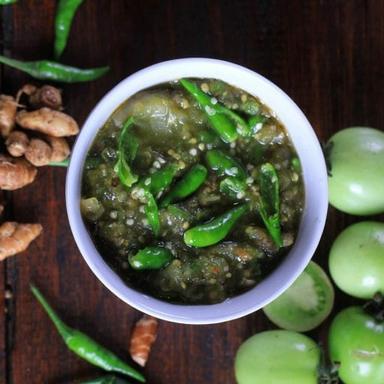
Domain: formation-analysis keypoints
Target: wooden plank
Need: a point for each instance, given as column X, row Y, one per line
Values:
column 326, row 55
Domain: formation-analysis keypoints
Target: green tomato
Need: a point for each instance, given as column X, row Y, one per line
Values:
column 356, row 342
column 278, row 357
column 356, row 159
column 356, row 260
column 306, row 303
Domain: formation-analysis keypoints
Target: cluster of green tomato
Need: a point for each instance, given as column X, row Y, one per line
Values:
column 356, row 264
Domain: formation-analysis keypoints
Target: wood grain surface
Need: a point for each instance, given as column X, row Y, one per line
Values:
column 327, row 55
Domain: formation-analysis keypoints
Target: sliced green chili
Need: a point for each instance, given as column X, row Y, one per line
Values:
column 270, row 201
column 66, row 10
column 152, row 213
column 189, row 183
column 127, row 149
column 233, row 187
column 224, row 121
column 151, row 258
column 158, row 181
column 214, row 230
column 224, row 164
column 109, row 379
column 83, row 346
column 51, row 70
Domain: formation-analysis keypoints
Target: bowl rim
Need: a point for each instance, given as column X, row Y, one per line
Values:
column 314, row 176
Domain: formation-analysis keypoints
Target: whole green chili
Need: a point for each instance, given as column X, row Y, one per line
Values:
column 50, row 70
column 109, row 379
column 269, row 207
column 189, row 183
column 224, row 164
column 158, row 181
column 83, row 346
column 224, row 121
column 151, row 258
column 214, row 230
column 152, row 213
column 66, row 10
column 127, row 149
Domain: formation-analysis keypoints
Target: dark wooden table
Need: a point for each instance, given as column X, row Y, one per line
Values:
column 327, row 55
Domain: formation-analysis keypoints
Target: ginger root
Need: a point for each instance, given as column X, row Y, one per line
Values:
column 15, row 173
column 8, row 107
column 48, row 121
column 15, row 237
column 143, row 336
column 38, row 152
column 45, row 96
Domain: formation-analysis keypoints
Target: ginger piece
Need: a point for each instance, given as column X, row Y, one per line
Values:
column 8, row 107
column 45, row 96
column 48, row 121
column 38, row 151
column 17, row 143
column 143, row 336
column 15, row 237
column 15, row 173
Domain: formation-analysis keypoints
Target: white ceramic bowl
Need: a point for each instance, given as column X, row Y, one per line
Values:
column 315, row 180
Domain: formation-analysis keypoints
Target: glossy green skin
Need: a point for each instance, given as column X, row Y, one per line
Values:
column 151, row 258
column 128, row 146
column 305, row 304
column 189, row 183
column 356, row 341
column 270, row 201
column 357, row 167
column 219, row 121
column 277, row 357
column 224, row 164
column 214, row 230
column 356, row 260
column 232, row 187
column 83, row 346
column 53, row 71
column 159, row 180
column 66, row 10
column 6, row 2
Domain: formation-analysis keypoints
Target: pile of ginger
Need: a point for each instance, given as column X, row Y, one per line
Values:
column 34, row 130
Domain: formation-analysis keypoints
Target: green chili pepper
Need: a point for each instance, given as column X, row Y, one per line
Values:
column 270, row 201
column 128, row 146
column 224, row 121
column 109, row 379
column 50, row 70
column 160, row 180
column 179, row 213
column 189, row 183
column 151, row 258
column 224, row 164
column 6, row 2
column 65, row 13
column 63, row 163
column 152, row 213
column 83, row 346
column 233, row 187
column 214, row 230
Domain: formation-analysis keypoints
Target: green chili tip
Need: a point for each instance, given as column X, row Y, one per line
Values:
column 66, row 10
